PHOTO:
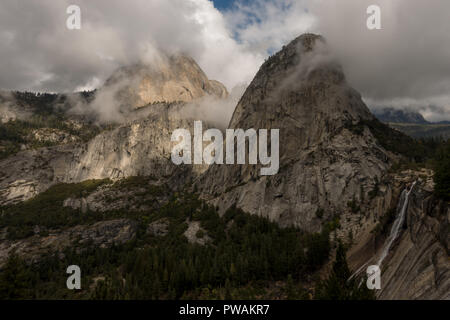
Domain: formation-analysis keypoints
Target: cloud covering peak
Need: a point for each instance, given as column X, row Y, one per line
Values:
column 404, row 65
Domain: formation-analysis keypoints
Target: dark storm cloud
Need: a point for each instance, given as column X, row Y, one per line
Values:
column 406, row 64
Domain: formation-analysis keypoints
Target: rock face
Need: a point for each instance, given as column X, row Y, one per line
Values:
column 168, row 79
column 323, row 164
column 138, row 148
column 419, row 265
column 102, row 234
column 55, row 136
column 142, row 147
column 136, row 194
column 196, row 234
column 159, row 228
column 30, row 172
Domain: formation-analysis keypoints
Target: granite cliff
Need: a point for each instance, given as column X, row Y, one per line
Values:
column 324, row 163
column 334, row 165
column 169, row 78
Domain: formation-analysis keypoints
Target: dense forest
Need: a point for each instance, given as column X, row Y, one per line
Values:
column 245, row 255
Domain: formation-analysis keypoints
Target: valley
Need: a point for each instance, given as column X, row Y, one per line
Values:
column 97, row 188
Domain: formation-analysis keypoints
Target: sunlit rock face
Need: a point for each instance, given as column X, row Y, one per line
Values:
column 152, row 98
column 139, row 148
column 136, row 148
column 302, row 91
column 167, row 79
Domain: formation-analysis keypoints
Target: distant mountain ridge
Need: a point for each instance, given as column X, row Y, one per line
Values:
column 412, row 123
column 399, row 116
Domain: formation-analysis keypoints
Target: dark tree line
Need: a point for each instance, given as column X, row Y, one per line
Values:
column 244, row 250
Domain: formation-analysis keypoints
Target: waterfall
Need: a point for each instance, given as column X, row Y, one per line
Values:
column 403, row 205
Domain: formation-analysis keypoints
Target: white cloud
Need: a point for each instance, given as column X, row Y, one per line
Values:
column 405, row 61
column 266, row 25
column 114, row 33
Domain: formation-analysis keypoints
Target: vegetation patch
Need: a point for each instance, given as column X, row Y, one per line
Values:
column 47, row 210
column 246, row 255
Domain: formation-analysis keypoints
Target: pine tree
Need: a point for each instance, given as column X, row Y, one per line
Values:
column 338, row 286
column 15, row 279
column 228, row 295
column 290, row 288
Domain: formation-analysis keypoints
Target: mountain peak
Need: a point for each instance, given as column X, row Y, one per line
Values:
column 399, row 116
column 302, row 88
column 166, row 79
column 302, row 91
column 308, row 40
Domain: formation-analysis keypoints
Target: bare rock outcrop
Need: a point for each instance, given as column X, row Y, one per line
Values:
column 50, row 135
column 196, row 234
column 29, row 172
column 166, row 79
column 137, row 148
column 140, row 148
column 419, row 264
column 302, row 91
column 159, row 228
column 102, row 234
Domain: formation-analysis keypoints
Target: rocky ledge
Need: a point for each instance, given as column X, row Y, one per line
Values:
column 102, row 234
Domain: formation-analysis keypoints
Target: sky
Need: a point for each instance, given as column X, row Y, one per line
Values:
column 404, row 65
column 223, row 4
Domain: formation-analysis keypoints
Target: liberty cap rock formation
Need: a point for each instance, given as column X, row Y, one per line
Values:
column 323, row 163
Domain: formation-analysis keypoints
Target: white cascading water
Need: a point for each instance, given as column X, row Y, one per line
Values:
column 397, row 224
column 403, row 206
